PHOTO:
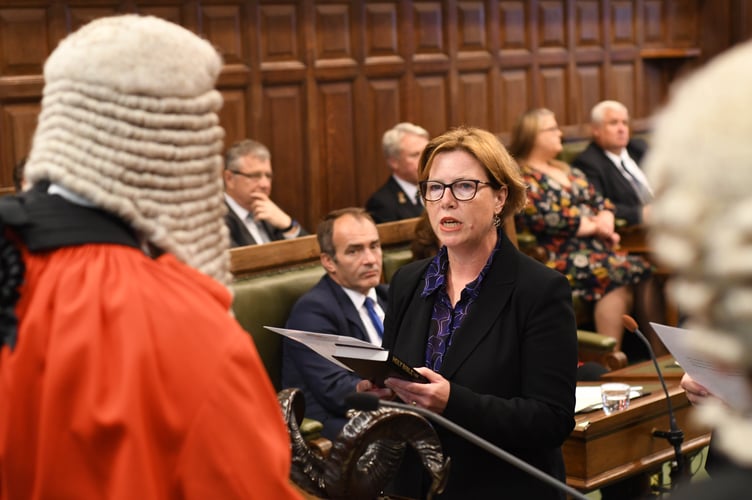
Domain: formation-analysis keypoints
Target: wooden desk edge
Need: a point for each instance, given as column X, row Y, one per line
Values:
column 644, row 464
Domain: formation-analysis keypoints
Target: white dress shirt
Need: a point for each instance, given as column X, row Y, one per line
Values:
column 359, row 300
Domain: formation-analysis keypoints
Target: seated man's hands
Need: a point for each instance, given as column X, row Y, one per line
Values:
column 263, row 208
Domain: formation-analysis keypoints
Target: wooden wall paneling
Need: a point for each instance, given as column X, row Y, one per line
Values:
column 22, row 58
column 174, row 13
column 283, row 131
column 279, row 100
column 552, row 75
column 378, row 104
column 430, row 96
column 336, row 134
column 477, row 67
column 80, row 15
column 17, row 124
column 653, row 24
column 320, row 81
column 516, row 63
column 682, row 18
column 336, row 54
column 516, row 97
column 741, row 21
column 589, row 57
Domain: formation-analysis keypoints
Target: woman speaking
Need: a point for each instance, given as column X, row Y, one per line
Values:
column 492, row 330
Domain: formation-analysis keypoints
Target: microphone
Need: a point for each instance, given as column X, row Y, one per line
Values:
column 674, row 436
column 369, row 402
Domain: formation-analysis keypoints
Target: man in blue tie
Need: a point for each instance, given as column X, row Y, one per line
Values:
column 348, row 300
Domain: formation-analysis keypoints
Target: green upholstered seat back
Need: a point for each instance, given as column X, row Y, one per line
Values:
column 267, row 300
column 393, row 259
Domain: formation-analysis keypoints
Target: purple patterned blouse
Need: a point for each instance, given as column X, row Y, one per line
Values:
column 445, row 319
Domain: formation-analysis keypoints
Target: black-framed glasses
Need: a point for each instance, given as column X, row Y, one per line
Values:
column 256, row 176
column 462, row 190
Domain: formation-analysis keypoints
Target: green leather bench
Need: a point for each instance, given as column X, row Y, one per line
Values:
column 266, row 300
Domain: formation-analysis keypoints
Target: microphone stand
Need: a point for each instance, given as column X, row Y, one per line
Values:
column 369, row 402
column 674, row 435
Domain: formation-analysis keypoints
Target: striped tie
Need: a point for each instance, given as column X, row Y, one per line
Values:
column 377, row 324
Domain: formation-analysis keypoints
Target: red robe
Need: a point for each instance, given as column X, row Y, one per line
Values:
column 130, row 380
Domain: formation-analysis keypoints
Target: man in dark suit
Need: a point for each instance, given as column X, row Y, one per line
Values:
column 399, row 199
column 252, row 217
column 351, row 256
column 611, row 162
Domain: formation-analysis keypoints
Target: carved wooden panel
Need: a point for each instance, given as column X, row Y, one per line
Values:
column 475, row 95
column 432, row 102
column 382, row 111
column 588, row 26
column 336, row 133
column 552, row 28
column 590, row 89
column 381, row 33
column 653, row 22
column 429, row 32
column 516, row 96
column 623, row 24
column 233, row 116
column 682, row 28
column 21, row 54
column 283, row 132
column 221, row 25
column 17, row 124
column 553, row 83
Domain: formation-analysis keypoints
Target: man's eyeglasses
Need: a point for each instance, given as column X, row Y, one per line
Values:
column 256, row 176
column 462, row 190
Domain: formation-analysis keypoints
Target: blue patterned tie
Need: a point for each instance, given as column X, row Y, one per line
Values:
column 374, row 317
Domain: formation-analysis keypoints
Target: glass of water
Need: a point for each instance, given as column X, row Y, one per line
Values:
column 615, row 397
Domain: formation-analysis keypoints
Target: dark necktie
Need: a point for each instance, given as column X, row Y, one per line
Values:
column 418, row 199
column 377, row 324
column 642, row 191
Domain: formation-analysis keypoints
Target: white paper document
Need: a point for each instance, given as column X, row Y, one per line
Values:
column 328, row 345
column 730, row 387
column 369, row 361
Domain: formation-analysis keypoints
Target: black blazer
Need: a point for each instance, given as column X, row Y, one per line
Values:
column 325, row 308
column 240, row 236
column 609, row 181
column 512, row 367
column 391, row 203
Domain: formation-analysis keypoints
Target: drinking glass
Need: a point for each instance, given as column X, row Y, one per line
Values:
column 615, row 397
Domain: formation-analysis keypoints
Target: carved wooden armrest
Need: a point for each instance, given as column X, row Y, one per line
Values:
column 365, row 455
column 601, row 349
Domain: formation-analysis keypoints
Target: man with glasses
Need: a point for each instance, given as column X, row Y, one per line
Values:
column 253, row 218
column 398, row 198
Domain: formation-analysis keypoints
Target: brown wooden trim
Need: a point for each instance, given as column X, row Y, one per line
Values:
column 249, row 260
column 670, row 53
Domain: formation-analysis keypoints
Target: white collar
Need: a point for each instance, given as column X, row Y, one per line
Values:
column 239, row 211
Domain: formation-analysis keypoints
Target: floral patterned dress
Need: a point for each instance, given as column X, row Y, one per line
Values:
column 553, row 215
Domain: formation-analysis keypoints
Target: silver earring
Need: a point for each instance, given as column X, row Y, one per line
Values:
column 496, row 220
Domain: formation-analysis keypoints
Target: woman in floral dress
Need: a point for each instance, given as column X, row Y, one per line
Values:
column 575, row 225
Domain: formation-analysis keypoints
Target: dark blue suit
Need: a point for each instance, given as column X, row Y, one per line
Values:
column 390, row 204
column 609, row 181
column 325, row 308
